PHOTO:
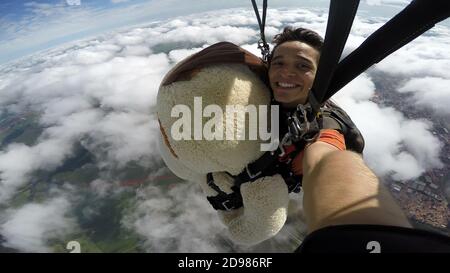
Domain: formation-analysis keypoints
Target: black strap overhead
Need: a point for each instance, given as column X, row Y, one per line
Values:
column 340, row 20
column 418, row 17
column 262, row 44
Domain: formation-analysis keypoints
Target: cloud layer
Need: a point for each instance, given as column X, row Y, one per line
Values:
column 29, row 228
column 395, row 145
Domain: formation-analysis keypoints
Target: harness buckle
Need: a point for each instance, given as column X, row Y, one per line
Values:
column 264, row 47
column 297, row 188
column 224, row 204
column 301, row 125
column 298, row 123
column 250, row 174
column 283, row 142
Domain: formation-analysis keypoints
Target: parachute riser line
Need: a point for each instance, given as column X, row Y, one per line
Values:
column 416, row 18
column 262, row 44
column 340, row 21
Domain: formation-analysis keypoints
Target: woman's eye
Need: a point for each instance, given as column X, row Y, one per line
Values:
column 303, row 66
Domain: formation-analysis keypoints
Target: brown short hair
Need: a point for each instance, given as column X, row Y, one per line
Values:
column 303, row 35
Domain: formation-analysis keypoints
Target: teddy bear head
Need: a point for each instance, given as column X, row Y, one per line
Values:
column 208, row 107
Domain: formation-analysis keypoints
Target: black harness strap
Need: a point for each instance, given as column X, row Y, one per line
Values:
column 266, row 165
column 223, row 201
column 262, row 44
column 255, row 169
column 280, row 161
column 418, row 17
column 340, row 20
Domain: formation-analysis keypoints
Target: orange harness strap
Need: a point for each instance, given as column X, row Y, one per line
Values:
column 329, row 136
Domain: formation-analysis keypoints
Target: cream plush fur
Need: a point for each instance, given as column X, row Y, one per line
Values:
column 265, row 200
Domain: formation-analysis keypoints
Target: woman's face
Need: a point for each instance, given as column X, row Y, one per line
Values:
column 292, row 71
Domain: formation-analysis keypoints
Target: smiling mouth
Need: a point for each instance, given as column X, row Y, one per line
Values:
column 286, row 85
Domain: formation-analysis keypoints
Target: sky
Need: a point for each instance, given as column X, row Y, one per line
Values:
column 29, row 26
column 96, row 84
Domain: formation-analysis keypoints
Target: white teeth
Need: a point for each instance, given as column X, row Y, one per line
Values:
column 286, row 85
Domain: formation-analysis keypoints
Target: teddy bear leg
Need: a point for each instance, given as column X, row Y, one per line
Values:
column 264, row 212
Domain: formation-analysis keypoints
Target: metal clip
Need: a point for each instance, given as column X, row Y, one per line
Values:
column 265, row 50
column 224, row 204
column 284, row 141
column 250, row 174
column 299, row 125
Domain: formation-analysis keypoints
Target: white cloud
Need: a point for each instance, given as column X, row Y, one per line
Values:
column 171, row 220
column 18, row 161
column 118, row 1
column 73, row 2
column 178, row 55
column 176, row 23
column 29, row 228
column 101, row 187
column 44, row 9
column 105, row 103
column 388, row 2
column 423, row 65
column 136, row 51
column 180, row 219
column 253, row 48
column 423, row 57
column 395, row 145
column 210, row 35
column 124, row 137
column 433, row 92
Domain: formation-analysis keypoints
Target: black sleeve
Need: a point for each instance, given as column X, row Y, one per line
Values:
column 374, row 239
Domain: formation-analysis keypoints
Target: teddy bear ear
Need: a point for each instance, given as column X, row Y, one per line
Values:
column 219, row 53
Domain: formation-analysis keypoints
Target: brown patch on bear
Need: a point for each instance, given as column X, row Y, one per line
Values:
column 223, row 52
column 166, row 140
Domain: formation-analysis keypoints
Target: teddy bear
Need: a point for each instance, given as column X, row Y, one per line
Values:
column 222, row 75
